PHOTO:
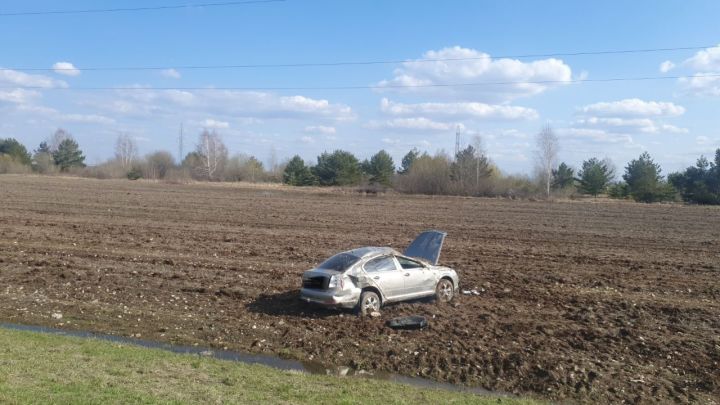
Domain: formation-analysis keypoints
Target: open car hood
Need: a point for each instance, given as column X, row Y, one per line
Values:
column 427, row 246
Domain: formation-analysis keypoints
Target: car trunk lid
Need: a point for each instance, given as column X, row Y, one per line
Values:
column 318, row 279
column 427, row 246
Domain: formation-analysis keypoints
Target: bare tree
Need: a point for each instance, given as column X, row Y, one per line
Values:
column 480, row 159
column 125, row 150
column 212, row 153
column 57, row 138
column 546, row 155
column 273, row 160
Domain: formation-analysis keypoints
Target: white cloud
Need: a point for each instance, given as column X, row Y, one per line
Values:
column 86, row 118
column 415, row 124
column 36, row 109
column 227, row 104
column 702, row 84
column 667, row 66
column 622, row 125
column 596, row 135
column 320, row 129
column 51, row 114
column 634, row 107
column 171, row 74
column 463, row 110
column 15, row 78
column 478, row 67
column 307, row 139
column 215, row 124
column 18, row 96
column 705, row 60
column 704, row 77
column 616, row 121
column 404, row 145
column 66, row 68
column 707, row 141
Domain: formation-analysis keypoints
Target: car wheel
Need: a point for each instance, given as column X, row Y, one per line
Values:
column 369, row 303
column 444, row 292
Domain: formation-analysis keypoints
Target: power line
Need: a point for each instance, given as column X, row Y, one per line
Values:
column 350, row 63
column 358, row 87
column 135, row 9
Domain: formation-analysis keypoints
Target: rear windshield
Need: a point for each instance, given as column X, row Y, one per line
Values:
column 339, row 262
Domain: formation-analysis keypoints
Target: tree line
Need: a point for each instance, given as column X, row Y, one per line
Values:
column 60, row 153
column 209, row 161
column 470, row 172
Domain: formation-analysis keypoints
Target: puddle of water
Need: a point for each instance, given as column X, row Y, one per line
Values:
column 262, row 359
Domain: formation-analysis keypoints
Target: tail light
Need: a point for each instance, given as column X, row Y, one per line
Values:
column 336, row 281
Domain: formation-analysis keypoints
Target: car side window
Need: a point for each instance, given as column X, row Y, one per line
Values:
column 407, row 264
column 380, row 264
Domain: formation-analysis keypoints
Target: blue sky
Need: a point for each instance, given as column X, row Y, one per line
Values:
column 676, row 120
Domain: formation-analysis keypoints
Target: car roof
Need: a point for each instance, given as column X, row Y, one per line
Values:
column 371, row 251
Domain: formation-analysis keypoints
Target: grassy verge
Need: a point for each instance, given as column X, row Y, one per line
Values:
column 40, row 368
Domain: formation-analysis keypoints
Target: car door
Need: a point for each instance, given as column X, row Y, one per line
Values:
column 385, row 274
column 419, row 279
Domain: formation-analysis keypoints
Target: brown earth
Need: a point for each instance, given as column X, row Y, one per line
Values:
column 579, row 301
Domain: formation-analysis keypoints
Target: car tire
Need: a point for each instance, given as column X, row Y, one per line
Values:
column 445, row 291
column 369, row 303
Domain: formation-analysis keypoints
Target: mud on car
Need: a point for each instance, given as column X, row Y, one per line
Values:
column 367, row 278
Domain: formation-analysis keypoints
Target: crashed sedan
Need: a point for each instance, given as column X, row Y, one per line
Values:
column 369, row 277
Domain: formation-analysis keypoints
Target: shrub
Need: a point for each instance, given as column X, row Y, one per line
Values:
column 109, row 170
column 178, row 175
column 244, row 168
column 427, row 175
column 618, row 190
column 10, row 165
column 44, row 163
column 157, row 165
column 135, row 173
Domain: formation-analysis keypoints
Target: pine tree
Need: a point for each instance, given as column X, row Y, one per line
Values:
column 408, row 160
column 340, row 168
column 298, row 174
column 595, row 176
column 15, row 150
column 380, row 168
column 68, row 155
column 563, row 177
column 645, row 182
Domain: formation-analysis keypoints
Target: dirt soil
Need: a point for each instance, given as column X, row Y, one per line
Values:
column 578, row 301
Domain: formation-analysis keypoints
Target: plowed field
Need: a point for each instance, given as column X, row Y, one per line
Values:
column 578, row 301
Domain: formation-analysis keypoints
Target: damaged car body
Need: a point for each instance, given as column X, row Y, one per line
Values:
column 369, row 277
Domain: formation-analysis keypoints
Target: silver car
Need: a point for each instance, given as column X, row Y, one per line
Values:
column 369, row 277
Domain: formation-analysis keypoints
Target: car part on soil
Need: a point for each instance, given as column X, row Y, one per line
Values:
column 368, row 277
column 408, row 322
